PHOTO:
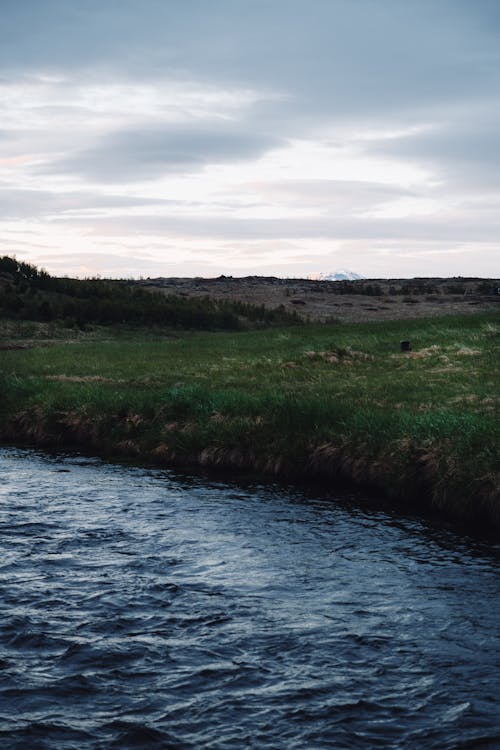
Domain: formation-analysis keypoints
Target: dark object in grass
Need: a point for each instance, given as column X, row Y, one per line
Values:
column 405, row 346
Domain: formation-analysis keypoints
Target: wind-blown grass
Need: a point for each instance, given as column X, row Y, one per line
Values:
column 335, row 401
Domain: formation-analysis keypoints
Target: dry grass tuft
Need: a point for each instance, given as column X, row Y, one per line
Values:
column 465, row 351
column 135, row 419
column 81, row 379
column 345, row 356
column 162, row 453
column 128, row 447
column 225, row 457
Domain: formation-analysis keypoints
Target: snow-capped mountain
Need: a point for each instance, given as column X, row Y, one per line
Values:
column 343, row 274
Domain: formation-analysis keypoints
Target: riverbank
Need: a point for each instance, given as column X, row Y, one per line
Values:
column 334, row 402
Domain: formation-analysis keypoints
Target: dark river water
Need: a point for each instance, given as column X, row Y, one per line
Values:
column 143, row 609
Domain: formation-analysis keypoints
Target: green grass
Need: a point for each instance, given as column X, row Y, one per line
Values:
column 332, row 400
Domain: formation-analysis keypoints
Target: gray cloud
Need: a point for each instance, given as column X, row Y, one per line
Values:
column 321, row 69
column 334, row 56
column 24, row 203
column 352, row 195
column 363, row 61
column 461, row 150
column 146, row 153
column 332, row 228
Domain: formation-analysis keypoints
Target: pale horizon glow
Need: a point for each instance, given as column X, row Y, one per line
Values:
column 239, row 138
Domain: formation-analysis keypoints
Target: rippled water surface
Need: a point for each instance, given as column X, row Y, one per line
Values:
column 140, row 609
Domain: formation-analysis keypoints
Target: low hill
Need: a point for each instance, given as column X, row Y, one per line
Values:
column 226, row 302
column 27, row 293
column 354, row 300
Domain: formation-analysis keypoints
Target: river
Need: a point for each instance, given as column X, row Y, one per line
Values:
column 146, row 609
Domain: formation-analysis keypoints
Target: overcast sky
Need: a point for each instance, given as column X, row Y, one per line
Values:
column 285, row 137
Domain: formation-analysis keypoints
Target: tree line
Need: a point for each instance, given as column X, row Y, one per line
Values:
column 29, row 293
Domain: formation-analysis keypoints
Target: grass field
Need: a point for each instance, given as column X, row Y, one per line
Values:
column 332, row 401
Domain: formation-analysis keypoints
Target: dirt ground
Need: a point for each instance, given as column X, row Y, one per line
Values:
column 347, row 301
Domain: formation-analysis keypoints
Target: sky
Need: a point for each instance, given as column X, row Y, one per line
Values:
column 145, row 138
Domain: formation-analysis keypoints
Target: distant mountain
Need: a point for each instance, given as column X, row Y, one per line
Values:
column 341, row 275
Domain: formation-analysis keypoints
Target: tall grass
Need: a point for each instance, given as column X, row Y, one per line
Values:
column 332, row 400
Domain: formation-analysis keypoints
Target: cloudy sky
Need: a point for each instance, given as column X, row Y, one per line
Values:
column 286, row 137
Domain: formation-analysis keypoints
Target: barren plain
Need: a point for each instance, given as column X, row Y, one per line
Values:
column 345, row 301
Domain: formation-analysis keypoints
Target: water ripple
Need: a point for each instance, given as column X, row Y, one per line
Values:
column 144, row 609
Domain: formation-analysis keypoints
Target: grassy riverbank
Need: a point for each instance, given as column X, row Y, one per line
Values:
column 328, row 401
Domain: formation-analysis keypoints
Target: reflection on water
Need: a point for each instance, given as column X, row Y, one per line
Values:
column 145, row 610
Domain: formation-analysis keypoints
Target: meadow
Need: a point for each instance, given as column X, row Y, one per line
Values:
column 334, row 402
